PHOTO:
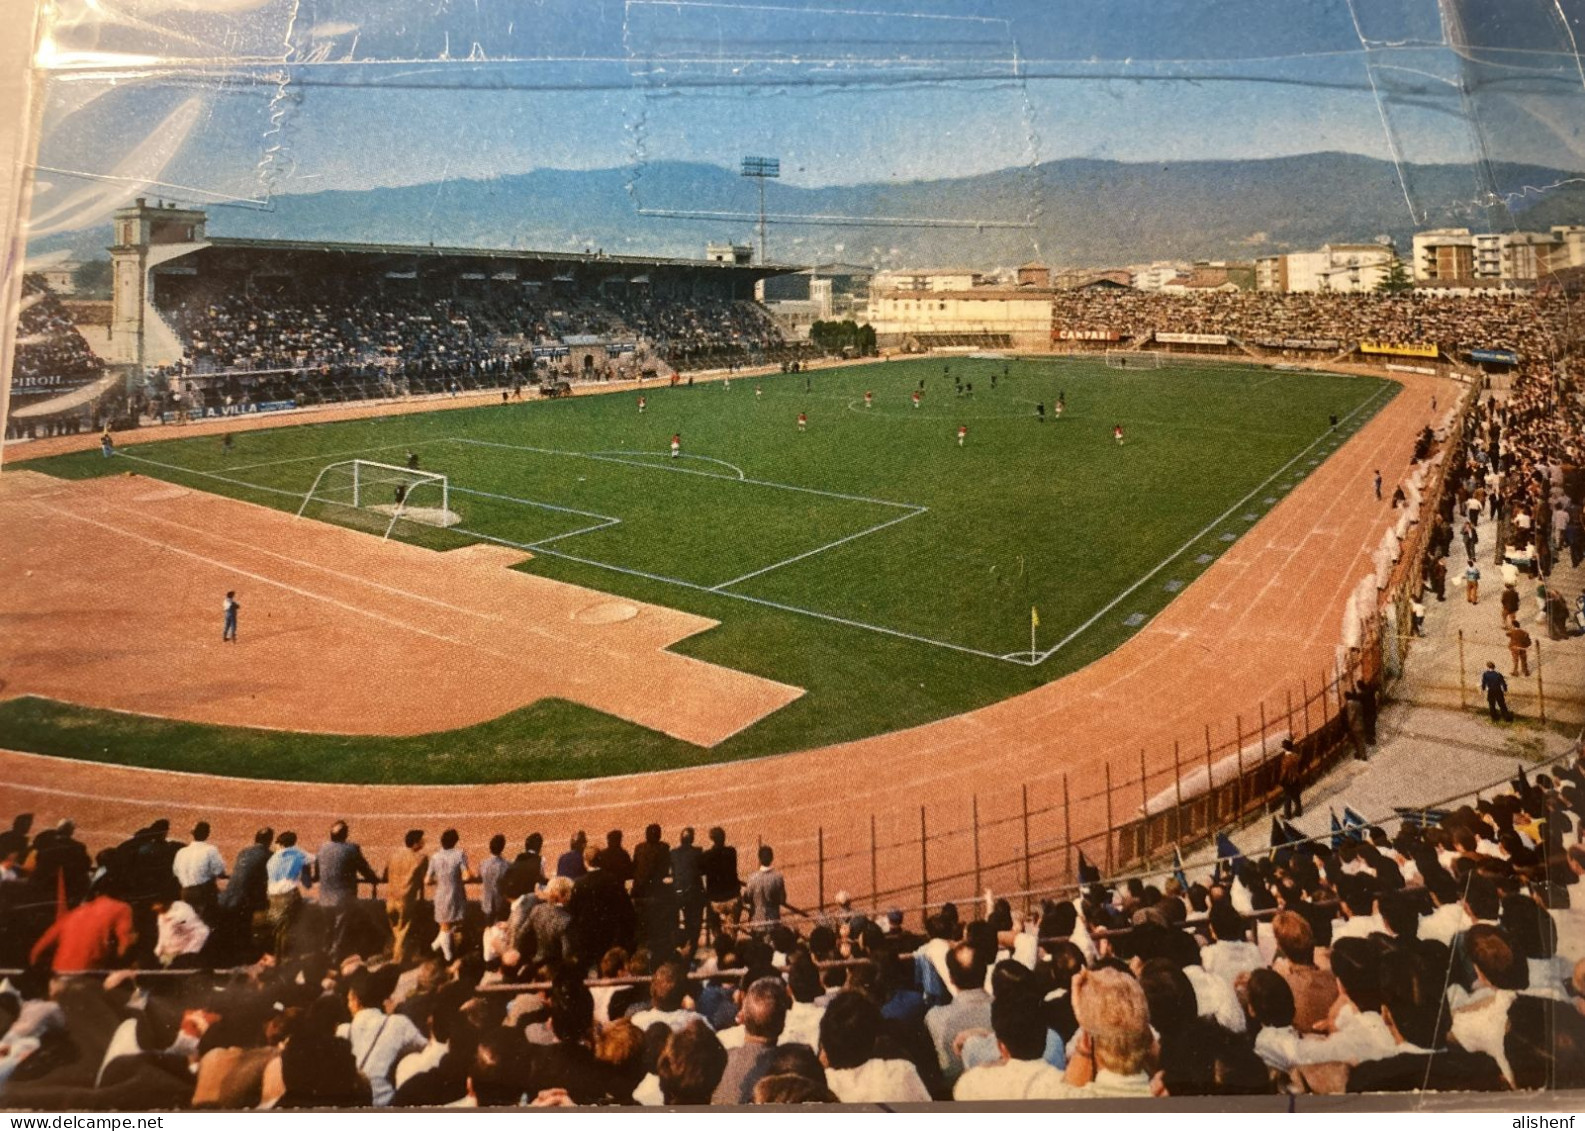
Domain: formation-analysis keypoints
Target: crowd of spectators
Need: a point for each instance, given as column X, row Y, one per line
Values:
column 155, row 974
column 1519, row 463
column 336, row 324
column 51, row 355
column 1530, row 324
column 51, row 358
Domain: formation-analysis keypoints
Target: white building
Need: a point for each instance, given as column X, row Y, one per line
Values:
column 927, row 279
column 1154, row 276
column 940, row 317
column 1349, row 268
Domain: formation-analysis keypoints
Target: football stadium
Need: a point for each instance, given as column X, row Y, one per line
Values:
column 447, row 675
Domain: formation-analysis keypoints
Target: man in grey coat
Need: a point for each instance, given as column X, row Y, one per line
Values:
column 338, row 867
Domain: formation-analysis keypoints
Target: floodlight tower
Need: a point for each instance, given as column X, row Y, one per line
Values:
column 762, row 169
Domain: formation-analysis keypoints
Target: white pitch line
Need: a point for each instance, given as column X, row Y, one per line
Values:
column 692, row 471
column 821, row 549
column 1212, row 525
column 324, row 456
column 357, row 579
column 659, row 455
column 264, row 579
column 542, row 547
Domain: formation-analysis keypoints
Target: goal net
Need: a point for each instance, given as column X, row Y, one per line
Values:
column 376, row 496
column 1133, row 359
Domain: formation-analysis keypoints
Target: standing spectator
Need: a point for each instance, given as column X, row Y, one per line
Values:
column 571, row 863
column 91, row 936
column 404, row 890
column 338, row 867
column 527, row 872
column 492, row 872
column 448, row 871
column 687, row 879
column 245, row 900
column 1290, row 775
column 198, row 868
column 723, row 890
column 615, row 859
column 60, row 861
column 766, row 892
column 549, row 920
column 1519, row 649
column 1496, row 689
column 652, row 898
column 602, row 914
column 288, row 875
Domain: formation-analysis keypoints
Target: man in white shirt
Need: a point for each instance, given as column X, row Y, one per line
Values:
column 1449, row 918
column 1357, row 1031
column 1022, row 1073
column 803, row 1018
column 379, row 1040
column 197, row 868
column 1500, row 973
column 1357, row 896
column 848, row 1033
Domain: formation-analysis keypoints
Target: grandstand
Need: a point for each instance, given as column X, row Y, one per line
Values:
column 218, row 322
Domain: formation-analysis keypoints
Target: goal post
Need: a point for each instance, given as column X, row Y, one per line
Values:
column 1133, row 359
column 373, row 495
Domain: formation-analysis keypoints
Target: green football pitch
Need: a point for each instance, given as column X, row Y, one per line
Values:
column 870, row 558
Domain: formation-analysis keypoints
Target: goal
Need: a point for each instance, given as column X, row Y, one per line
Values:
column 376, row 496
column 1133, row 359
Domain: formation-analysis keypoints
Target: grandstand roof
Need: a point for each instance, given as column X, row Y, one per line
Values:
column 506, row 254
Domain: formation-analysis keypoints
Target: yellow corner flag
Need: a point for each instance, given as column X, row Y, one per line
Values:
column 1034, row 623
column 1034, row 617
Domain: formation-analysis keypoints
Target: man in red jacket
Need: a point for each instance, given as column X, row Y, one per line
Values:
column 91, row 936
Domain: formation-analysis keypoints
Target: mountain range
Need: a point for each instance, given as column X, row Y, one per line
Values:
column 1078, row 211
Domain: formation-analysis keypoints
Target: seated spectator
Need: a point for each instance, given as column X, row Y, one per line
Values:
column 691, row 1065
column 1111, row 1058
column 848, row 1034
column 970, row 1008
column 1021, row 1073
column 1416, row 1016
column 763, row 1013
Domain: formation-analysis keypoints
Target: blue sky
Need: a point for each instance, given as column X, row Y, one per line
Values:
column 249, row 98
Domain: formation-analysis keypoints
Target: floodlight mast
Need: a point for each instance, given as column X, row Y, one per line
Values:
column 762, row 169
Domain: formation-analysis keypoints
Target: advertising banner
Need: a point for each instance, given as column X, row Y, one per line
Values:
column 1402, row 349
column 1192, row 339
column 214, row 413
column 1501, row 357
column 1085, row 336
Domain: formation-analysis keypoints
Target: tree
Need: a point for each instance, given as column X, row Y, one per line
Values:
column 1396, row 281
column 93, row 278
column 835, row 337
